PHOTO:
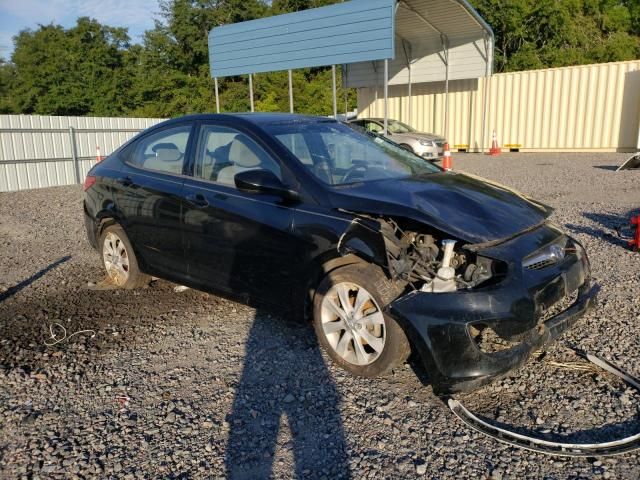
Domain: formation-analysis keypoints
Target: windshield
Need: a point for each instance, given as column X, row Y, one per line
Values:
column 395, row 126
column 338, row 155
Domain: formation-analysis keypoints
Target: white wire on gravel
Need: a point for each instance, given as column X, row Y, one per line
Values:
column 58, row 339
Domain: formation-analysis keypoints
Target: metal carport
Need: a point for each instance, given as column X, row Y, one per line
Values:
column 377, row 42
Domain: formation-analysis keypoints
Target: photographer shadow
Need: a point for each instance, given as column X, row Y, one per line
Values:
column 285, row 385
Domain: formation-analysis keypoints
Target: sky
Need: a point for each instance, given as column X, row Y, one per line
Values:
column 16, row 15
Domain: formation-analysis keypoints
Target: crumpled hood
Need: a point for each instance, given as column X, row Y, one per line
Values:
column 467, row 207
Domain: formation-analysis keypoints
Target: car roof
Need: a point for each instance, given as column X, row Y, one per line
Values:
column 373, row 119
column 255, row 118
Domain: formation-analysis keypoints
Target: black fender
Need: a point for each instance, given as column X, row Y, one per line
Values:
column 364, row 238
column 108, row 215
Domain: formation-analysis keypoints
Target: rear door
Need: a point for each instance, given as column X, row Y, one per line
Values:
column 149, row 196
column 236, row 241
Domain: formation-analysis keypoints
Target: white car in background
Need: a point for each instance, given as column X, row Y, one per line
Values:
column 426, row 145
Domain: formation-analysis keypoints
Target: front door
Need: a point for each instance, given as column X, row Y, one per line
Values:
column 236, row 241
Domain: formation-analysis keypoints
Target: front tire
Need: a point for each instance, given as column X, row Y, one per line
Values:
column 119, row 260
column 350, row 324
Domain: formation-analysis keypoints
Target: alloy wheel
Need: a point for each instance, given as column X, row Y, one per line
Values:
column 116, row 259
column 353, row 323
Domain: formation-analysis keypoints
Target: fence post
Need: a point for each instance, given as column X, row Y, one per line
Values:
column 74, row 154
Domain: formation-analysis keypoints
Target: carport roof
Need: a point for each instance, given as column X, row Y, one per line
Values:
column 438, row 38
column 417, row 40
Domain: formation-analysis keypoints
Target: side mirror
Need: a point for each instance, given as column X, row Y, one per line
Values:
column 263, row 181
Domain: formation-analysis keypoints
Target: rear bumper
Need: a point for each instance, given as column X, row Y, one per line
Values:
column 441, row 326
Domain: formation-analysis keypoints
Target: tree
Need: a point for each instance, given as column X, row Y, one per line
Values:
column 173, row 67
column 186, row 25
column 548, row 33
column 7, row 74
column 71, row 72
column 287, row 6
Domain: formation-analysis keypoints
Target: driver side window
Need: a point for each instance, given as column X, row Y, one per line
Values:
column 223, row 152
column 163, row 151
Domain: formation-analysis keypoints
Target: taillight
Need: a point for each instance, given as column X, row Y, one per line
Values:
column 89, row 182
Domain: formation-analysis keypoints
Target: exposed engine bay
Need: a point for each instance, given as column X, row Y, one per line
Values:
column 538, row 284
column 424, row 261
column 466, row 340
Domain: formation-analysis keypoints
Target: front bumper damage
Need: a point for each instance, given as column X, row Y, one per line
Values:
column 441, row 325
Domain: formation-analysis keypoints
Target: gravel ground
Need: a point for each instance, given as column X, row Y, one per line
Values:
column 188, row 385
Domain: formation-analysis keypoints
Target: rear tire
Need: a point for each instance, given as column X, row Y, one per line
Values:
column 119, row 259
column 350, row 324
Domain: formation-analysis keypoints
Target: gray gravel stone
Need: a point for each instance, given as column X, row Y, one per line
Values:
column 207, row 378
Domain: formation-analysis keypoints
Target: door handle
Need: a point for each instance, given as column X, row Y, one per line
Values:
column 125, row 181
column 197, row 200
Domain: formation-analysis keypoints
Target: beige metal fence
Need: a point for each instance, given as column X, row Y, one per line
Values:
column 46, row 151
column 583, row 108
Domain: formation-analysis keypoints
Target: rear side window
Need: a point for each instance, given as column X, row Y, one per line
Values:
column 163, row 151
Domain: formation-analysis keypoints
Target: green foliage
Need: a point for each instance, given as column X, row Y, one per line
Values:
column 79, row 71
column 7, row 74
column 93, row 69
column 556, row 33
column 287, row 6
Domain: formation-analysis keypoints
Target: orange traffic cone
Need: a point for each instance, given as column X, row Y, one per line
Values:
column 495, row 150
column 447, row 164
column 98, row 154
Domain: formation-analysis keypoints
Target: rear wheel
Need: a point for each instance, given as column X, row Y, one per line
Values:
column 350, row 323
column 119, row 260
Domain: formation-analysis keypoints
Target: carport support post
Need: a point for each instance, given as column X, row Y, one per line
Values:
column 386, row 96
column 410, row 108
column 445, row 49
column 638, row 137
column 485, row 106
column 215, row 83
column 335, row 92
column 407, row 53
column 74, row 154
column 251, row 92
column 346, row 91
column 290, row 91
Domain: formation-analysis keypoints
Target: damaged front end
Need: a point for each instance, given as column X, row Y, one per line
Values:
column 476, row 312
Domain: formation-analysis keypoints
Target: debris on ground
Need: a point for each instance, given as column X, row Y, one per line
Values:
column 632, row 163
column 548, row 446
column 59, row 334
column 105, row 284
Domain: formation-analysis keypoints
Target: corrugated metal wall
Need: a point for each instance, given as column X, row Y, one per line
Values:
column 41, row 151
column 583, row 108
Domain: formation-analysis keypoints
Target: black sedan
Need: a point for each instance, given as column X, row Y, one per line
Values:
column 386, row 253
